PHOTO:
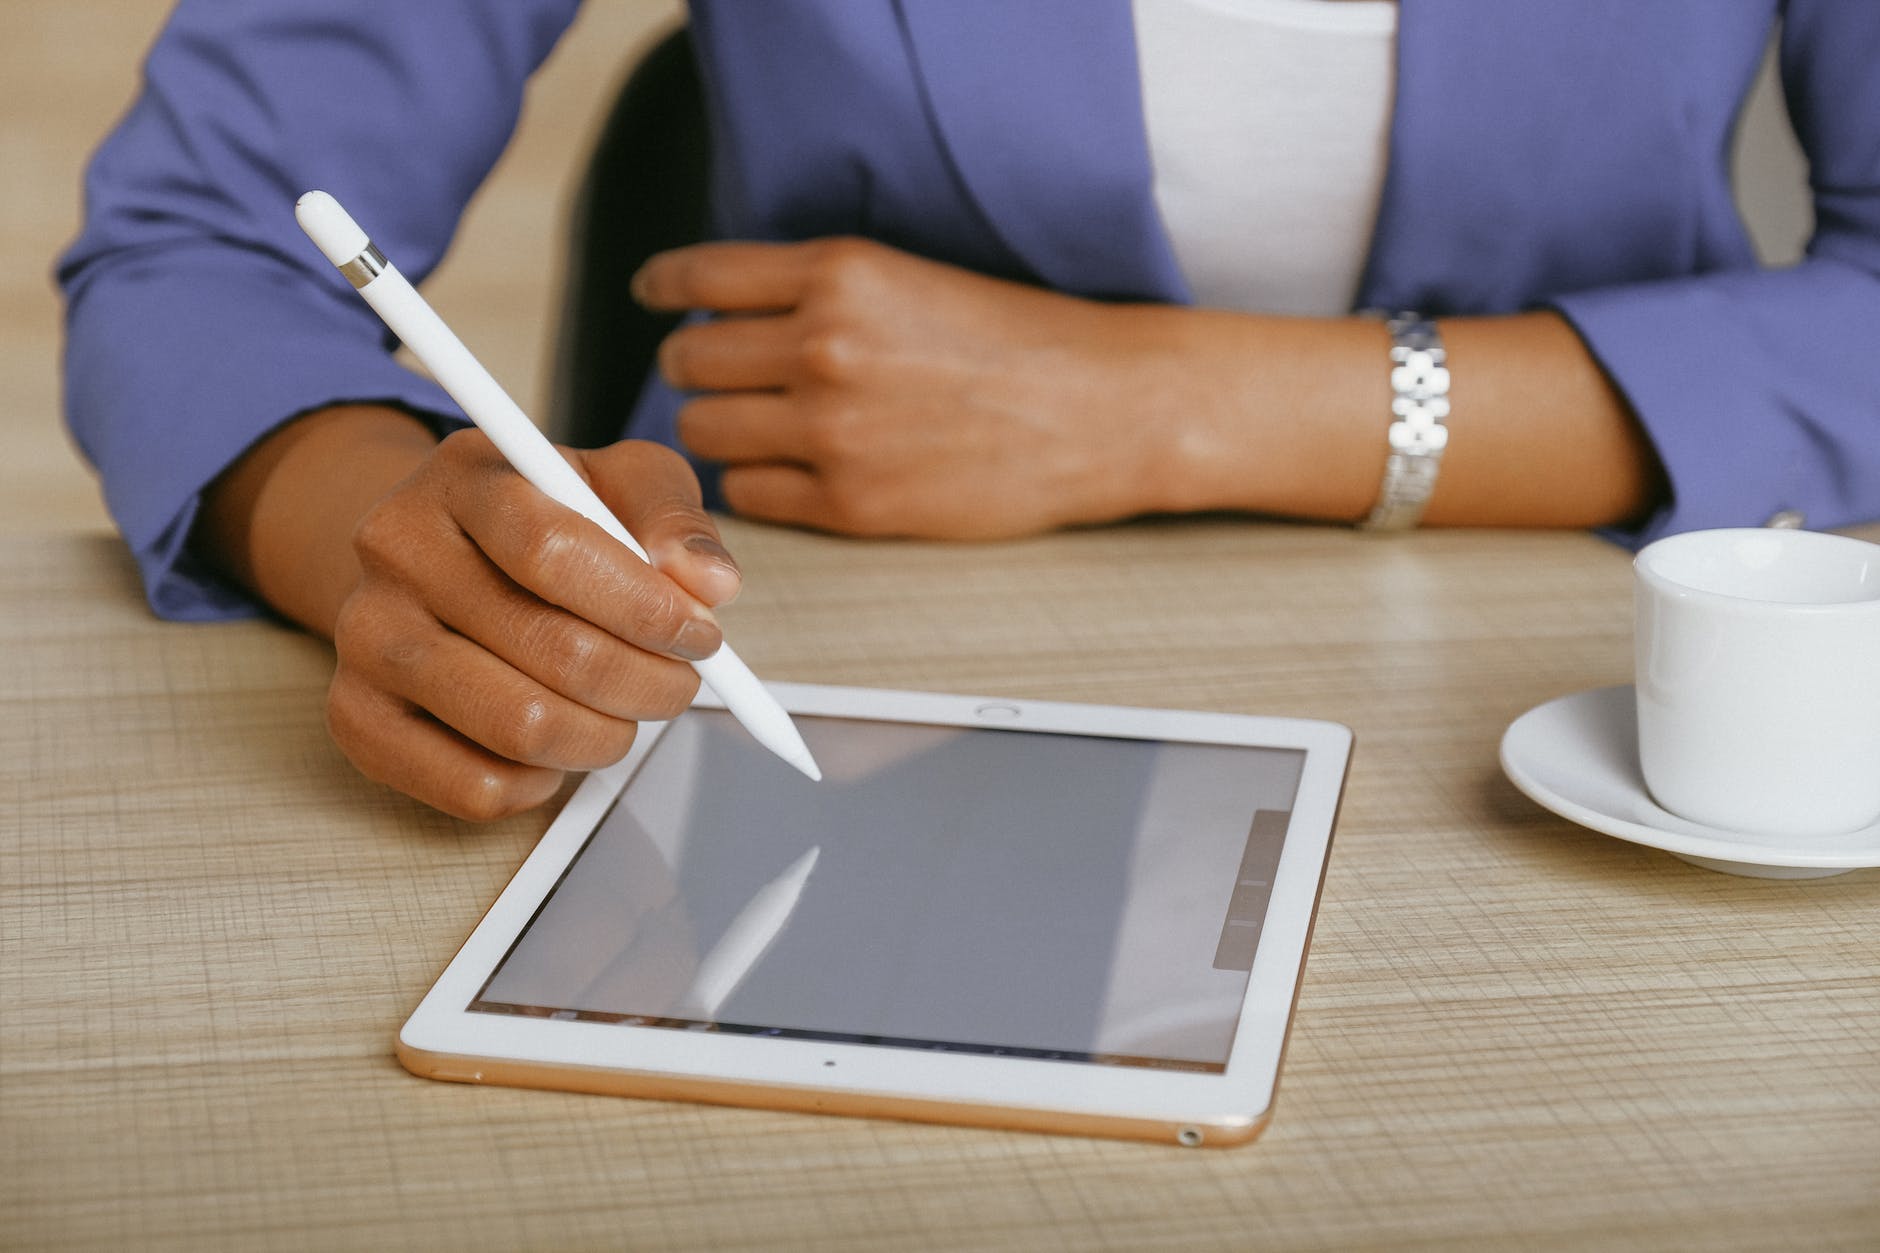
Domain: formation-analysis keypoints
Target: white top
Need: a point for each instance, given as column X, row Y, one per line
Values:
column 1269, row 128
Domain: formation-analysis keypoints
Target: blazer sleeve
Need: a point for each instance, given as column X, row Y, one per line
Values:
column 198, row 317
column 1761, row 388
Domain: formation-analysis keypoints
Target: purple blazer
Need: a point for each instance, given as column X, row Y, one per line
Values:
column 1568, row 156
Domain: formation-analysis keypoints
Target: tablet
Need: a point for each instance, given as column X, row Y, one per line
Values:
column 1073, row 918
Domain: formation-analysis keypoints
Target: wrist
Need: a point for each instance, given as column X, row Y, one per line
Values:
column 1272, row 415
column 1417, row 435
column 1102, row 380
column 1157, row 439
column 280, row 520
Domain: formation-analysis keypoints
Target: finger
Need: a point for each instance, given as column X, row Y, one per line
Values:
column 729, row 277
column 743, row 426
column 776, row 492
column 566, row 560
column 564, row 652
column 655, row 494
column 480, row 695
column 731, row 354
column 417, row 572
column 395, row 744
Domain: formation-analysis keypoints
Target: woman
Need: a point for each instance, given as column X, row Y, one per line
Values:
column 1001, row 268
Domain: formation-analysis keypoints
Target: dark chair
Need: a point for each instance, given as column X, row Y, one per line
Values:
column 644, row 191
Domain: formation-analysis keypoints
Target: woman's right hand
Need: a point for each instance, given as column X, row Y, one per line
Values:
column 488, row 639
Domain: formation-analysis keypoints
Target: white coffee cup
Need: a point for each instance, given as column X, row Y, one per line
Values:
column 1757, row 658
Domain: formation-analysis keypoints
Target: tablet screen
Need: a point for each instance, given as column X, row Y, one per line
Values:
column 1024, row 893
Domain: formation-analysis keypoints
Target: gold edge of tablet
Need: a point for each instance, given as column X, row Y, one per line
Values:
column 1223, row 1132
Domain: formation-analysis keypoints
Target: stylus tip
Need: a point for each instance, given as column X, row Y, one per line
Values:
column 807, row 765
column 780, row 736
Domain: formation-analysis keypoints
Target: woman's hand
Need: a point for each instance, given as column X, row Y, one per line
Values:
column 487, row 638
column 857, row 388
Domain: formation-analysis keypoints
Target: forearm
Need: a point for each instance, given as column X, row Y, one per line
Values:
column 1289, row 416
column 864, row 390
column 280, row 520
column 198, row 311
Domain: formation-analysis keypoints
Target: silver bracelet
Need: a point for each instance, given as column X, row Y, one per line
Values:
column 1419, row 382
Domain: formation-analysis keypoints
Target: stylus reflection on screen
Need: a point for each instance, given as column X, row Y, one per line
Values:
column 746, row 940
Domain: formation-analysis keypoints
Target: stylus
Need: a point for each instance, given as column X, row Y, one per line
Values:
column 747, row 939
column 398, row 303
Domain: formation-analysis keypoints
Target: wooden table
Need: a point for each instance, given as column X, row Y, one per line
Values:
column 1513, row 1032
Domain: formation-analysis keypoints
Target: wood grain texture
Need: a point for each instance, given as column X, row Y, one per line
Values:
column 1513, row 1032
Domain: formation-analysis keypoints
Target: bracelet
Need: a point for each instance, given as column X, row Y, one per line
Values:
column 1419, row 380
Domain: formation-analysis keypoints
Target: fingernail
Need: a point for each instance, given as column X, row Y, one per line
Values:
column 637, row 285
column 698, row 639
column 706, row 546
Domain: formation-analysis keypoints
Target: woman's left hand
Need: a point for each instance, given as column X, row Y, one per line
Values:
column 856, row 388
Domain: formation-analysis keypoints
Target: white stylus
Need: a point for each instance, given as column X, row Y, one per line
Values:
column 415, row 323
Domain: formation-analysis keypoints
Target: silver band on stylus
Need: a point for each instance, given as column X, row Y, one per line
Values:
column 365, row 267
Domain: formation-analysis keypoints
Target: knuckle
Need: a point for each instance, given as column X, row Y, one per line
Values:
column 356, row 723
column 527, row 729
column 540, row 735
column 484, row 795
column 380, row 537
column 361, row 634
column 674, row 516
column 366, row 636
column 465, row 446
column 479, row 791
column 344, row 722
column 659, row 459
column 568, row 650
column 638, row 470
column 654, row 612
column 352, row 625
column 400, row 652
column 549, row 551
column 830, row 355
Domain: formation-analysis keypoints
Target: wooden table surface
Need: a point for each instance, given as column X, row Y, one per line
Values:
column 1513, row 1032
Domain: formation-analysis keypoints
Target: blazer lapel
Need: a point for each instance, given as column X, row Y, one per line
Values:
column 1038, row 105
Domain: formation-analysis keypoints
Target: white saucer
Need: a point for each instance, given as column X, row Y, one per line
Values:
column 1578, row 756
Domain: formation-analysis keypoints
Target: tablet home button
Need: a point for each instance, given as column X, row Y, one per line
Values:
column 997, row 713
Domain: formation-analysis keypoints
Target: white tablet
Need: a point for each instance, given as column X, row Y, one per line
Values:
column 1013, row 913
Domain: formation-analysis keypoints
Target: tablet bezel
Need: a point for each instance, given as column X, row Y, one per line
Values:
column 443, row 1039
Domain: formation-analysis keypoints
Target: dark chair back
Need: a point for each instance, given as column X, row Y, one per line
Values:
column 644, row 191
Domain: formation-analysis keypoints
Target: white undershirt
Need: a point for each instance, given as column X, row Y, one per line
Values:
column 1269, row 128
